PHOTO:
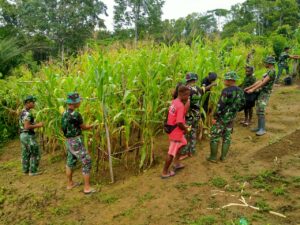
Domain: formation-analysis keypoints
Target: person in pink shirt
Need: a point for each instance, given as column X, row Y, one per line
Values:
column 176, row 123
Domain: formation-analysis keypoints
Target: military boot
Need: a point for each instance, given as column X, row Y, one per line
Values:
column 262, row 126
column 213, row 152
column 225, row 148
column 256, row 129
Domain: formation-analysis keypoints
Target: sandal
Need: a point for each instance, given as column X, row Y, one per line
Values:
column 75, row 184
column 170, row 174
column 178, row 167
column 89, row 192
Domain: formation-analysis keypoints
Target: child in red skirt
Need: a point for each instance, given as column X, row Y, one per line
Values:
column 176, row 122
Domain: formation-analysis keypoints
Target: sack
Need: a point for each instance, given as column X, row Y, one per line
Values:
column 169, row 128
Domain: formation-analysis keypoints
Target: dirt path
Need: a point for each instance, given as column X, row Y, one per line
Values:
column 264, row 170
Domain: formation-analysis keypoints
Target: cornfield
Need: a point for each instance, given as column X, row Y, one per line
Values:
column 126, row 89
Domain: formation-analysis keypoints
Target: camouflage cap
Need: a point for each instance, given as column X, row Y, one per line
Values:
column 270, row 60
column 191, row 76
column 29, row 98
column 231, row 76
column 73, row 98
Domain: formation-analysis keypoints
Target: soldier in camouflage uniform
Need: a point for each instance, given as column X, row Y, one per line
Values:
column 72, row 126
column 193, row 114
column 265, row 86
column 231, row 101
column 283, row 62
column 29, row 146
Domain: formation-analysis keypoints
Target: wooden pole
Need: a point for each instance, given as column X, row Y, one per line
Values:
column 108, row 145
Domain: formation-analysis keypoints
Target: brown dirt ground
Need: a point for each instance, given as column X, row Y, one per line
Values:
column 264, row 170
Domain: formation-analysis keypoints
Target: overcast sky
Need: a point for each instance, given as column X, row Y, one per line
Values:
column 174, row 9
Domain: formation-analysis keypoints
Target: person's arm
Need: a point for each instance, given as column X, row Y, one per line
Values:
column 86, row 127
column 294, row 56
column 28, row 126
column 263, row 82
column 180, row 118
column 207, row 88
column 257, row 83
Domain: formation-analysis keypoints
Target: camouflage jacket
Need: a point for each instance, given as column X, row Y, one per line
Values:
column 283, row 59
column 70, row 122
column 268, row 86
column 195, row 101
column 232, row 100
column 26, row 115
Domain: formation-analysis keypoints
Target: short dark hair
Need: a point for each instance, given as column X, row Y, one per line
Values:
column 182, row 89
column 212, row 76
column 286, row 48
column 250, row 68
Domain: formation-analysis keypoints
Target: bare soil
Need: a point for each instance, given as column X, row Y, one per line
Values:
column 265, row 171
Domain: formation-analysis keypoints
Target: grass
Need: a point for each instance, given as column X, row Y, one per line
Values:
column 263, row 205
column 205, row 220
column 279, row 191
column 218, row 182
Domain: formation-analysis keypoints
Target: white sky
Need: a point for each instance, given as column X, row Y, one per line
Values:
column 174, row 9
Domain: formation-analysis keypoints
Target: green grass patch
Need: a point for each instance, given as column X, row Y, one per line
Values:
column 107, row 199
column 263, row 205
column 218, row 182
column 61, row 210
column 205, row 220
column 146, row 197
column 279, row 191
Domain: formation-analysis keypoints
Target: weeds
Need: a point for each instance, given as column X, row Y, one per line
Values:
column 218, row 182
column 205, row 220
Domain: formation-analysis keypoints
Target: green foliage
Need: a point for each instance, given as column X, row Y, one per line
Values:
column 279, row 42
column 218, row 182
column 263, row 205
column 205, row 220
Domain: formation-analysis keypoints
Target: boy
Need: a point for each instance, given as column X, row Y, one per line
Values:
column 208, row 82
column 265, row 85
column 176, row 118
column 30, row 149
column 72, row 126
column 231, row 101
column 283, row 62
column 250, row 98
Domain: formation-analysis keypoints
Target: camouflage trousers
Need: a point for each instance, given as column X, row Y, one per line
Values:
column 221, row 130
column 262, row 103
column 280, row 70
column 30, row 153
column 76, row 151
column 191, row 136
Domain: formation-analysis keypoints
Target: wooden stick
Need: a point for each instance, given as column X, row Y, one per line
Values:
column 108, row 145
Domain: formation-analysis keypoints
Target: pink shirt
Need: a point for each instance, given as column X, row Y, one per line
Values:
column 176, row 115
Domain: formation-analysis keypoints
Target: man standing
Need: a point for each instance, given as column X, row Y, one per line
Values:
column 72, row 126
column 231, row 101
column 265, row 86
column 29, row 146
column 283, row 62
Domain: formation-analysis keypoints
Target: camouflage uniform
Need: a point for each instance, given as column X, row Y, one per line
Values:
column 283, row 64
column 71, row 121
column 192, row 119
column 29, row 147
column 265, row 92
column 231, row 101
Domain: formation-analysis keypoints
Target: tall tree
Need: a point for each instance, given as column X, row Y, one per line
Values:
column 67, row 23
column 142, row 15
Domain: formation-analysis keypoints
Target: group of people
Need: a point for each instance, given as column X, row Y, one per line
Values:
column 184, row 113
column 72, row 126
column 181, row 124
